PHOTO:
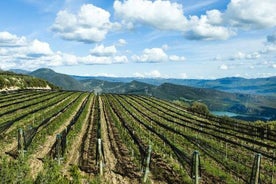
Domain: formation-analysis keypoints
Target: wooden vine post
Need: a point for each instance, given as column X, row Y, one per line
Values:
column 58, row 149
column 195, row 167
column 226, row 150
column 147, row 165
column 255, row 174
column 21, row 142
column 100, row 161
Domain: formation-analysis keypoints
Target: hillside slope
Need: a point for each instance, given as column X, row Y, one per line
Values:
column 249, row 104
column 10, row 81
column 64, row 81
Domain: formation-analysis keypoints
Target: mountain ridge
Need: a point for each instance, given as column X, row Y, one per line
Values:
column 64, row 81
column 253, row 104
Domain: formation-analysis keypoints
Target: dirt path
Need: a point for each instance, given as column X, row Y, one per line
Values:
column 110, row 161
column 74, row 152
column 35, row 162
column 8, row 146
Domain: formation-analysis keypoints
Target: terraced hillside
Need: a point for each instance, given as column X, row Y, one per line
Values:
column 78, row 137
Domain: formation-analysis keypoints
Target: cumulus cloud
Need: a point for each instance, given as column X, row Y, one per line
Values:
column 163, row 15
column 213, row 25
column 207, row 28
column 154, row 74
column 251, row 14
column 122, row 42
column 101, row 50
column 166, row 15
column 90, row 24
column 10, row 40
column 153, row 55
column 39, row 48
column 33, row 54
column 156, row 55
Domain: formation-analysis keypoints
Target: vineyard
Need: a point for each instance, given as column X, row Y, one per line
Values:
column 80, row 137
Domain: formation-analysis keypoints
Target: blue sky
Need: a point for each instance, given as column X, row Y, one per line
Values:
column 140, row 38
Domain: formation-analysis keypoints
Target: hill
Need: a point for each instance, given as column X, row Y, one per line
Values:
column 263, row 86
column 10, row 81
column 66, row 82
column 252, row 104
column 19, row 71
column 256, row 106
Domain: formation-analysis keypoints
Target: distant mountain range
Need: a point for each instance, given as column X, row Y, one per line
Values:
column 254, row 97
column 264, row 86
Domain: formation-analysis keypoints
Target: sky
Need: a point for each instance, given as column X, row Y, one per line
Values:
column 187, row 39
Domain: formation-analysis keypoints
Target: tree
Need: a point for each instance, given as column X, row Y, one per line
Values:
column 200, row 108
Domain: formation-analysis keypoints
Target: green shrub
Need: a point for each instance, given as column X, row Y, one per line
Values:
column 200, row 108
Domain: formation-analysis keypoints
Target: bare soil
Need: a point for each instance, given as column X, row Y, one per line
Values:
column 111, row 175
column 35, row 160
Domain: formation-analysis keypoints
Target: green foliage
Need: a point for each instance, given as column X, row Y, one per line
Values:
column 200, row 108
column 181, row 103
column 20, row 81
column 51, row 174
column 226, row 145
column 75, row 174
column 14, row 171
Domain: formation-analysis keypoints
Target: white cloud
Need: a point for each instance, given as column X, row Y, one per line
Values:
column 91, row 24
column 102, row 60
column 39, row 48
column 208, row 27
column 103, row 75
column 223, row 67
column 122, row 42
column 120, row 59
column 213, row 25
column 241, row 56
column 33, row 54
column 154, row 74
column 183, row 76
column 165, row 15
column 139, row 75
column 101, row 50
column 153, row 55
column 151, row 74
column 176, row 58
column 157, row 55
column 159, row 14
column 10, row 40
column 251, row 14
